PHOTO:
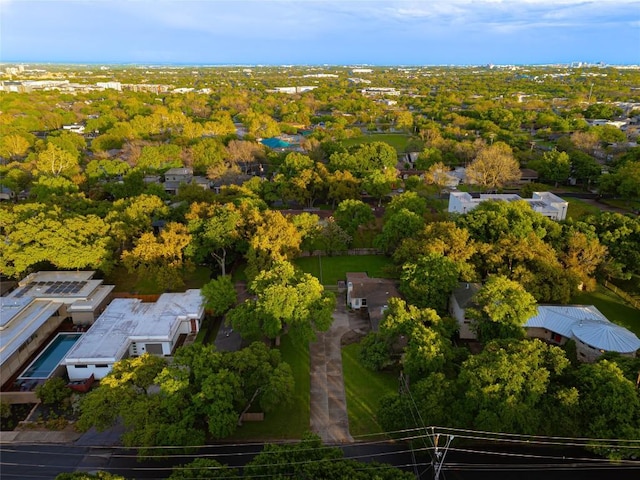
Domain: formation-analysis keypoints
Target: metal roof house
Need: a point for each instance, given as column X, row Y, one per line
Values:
column 593, row 333
column 130, row 327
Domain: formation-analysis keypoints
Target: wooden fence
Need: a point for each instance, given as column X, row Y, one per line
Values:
column 353, row 251
column 145, row 298
column 633, row 301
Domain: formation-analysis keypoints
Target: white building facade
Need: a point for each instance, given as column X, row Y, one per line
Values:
column 545, row 203
column 130, row 327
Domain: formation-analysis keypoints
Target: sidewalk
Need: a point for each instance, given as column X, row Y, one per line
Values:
column 39, row 436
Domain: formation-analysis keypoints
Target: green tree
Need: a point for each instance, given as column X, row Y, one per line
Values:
column 35, row 233
column 353, row 214
column 286, row 301
column 403, row 224
column 408, row 200
column 610, row 407
column 379, row 183
column 310, row 459
column 202, row 392
column 429, row 280
column 215, row 233
column 219, row 295
column 333, row 238
column 423, row 333
column 508, row 385
column 503, row 307
column 100, row 475
column 555, row 166
column 203, row 468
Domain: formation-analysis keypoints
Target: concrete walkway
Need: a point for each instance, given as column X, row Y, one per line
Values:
column 328, row 400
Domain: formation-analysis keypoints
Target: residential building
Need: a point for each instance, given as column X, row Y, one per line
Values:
column 174, row 177
column 129, row 327
column 461, row 299
column 370, row 294
column 545, row 203
column 32, row 312
column 593, row 333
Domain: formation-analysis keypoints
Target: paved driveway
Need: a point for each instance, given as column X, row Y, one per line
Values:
column 328, row 400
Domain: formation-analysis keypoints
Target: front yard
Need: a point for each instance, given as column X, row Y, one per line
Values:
column 364, row 389
column 287, row 421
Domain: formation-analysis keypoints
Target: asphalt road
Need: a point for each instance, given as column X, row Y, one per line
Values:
column 44, row 462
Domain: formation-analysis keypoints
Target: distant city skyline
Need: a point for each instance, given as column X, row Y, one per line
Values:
column 315, row 32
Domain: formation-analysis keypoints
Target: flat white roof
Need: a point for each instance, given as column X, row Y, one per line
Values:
column 128, row 320
column 38, row 296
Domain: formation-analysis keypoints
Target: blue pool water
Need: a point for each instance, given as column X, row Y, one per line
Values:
column 44, row 365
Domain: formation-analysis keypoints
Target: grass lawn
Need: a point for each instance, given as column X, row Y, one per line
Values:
column 287, row 421
column 396, row 140
column 612, row 306
column 364, row 388
column 630, row 205
column 127, row 282
column 331, row 269
column 578, row 209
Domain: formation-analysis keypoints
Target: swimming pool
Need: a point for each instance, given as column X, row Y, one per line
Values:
column 44, row 365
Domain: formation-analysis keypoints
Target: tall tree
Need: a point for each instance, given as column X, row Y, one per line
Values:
column 510, row 385
column 555, row 166
column 353, row 214
column 160, row 257
column 286, row 301
column 429, row 280
column 610, row 408
column 503, row 307
column 494, row 167
column 215, row 234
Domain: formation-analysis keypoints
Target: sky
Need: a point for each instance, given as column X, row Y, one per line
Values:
column 312, row 32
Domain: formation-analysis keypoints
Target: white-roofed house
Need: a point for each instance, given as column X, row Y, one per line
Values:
column 130, row 327
column 545, row 203
column 32, row 312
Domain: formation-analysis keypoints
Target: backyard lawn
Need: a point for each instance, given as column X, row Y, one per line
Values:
column 612, row 306
column 127, row 282
column 396, row 140
column 331, row 269
column 287, row 421
column 579, row 208
column 364, row 389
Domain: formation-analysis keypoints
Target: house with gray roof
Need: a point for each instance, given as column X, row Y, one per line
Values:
column 370, row 294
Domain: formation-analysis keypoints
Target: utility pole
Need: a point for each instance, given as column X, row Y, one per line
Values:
column 439, row 452
column 590, row 92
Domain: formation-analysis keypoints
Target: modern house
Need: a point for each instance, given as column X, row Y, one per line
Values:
column 32, row 312
column 130, row 327
column 593, row 333
column 545, row 203
column 370, row 294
